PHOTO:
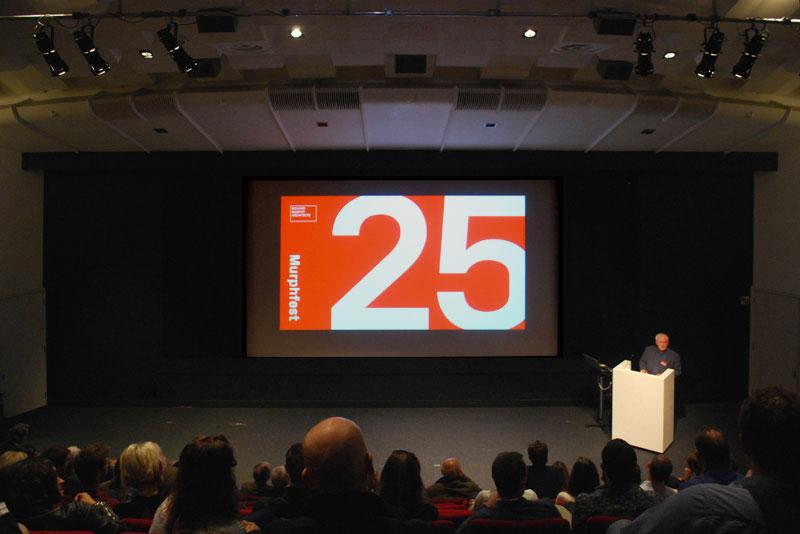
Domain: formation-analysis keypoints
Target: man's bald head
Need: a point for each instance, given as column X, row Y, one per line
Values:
column 451, row 467
column 336, row 457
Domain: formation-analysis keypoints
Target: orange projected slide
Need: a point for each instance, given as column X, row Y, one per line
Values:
column 393, row 262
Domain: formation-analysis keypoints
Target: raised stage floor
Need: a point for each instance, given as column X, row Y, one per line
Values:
column 474, row 435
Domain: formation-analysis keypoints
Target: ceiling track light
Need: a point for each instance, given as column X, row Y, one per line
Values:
column 712, row 47
column 644, row 54
column 753, row 43
column 43, row 35
column 84, row 38
column 169, row 38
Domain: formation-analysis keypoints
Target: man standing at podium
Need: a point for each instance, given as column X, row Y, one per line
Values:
column 659, row 357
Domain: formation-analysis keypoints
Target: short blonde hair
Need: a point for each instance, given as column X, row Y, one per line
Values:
column 662, row 334
column 141, row 463
column 11, row 457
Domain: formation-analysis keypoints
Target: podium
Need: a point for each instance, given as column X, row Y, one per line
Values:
column 644, row 408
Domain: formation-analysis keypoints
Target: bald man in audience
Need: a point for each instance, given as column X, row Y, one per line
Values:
column 453, row 483
column 339, row 470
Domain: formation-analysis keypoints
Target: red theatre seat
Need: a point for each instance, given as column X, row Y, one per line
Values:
column 137, row 524
column 245, row 512
column 455, row 515
column 598, row 524
column 555, row 525
column 451, row 500
column 61, row 532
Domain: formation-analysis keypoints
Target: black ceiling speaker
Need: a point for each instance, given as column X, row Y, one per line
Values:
column 410, row 64
column 614, row 70
column 614, row 25
column 216, row 23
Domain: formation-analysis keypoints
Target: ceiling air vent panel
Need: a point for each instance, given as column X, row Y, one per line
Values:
column 492, row 118
column 236, row 120
column 785, row 135
column 333, row 124
column 16, row 135
column 647, row 128
column 165, row 127
column 406, row 117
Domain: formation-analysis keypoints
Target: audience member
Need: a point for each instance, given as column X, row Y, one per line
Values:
column 11, row 457
column 279, row 479
column 142, row 469
column 621, row 494
column 401, row 487
column 562, row 468
column 8, row 523
column 259, row 486
column 583, row 479
column 339, row 469
column 205, row 498
column 114, row 488
column 453, row 483
column 60, row 456
column 92, row 465
column 659, row 470
column 714, row 457
column 769, row 426
column 293, row 502
column 17, row 440
column 33, row 492
column 509, row 474
column 545, row 480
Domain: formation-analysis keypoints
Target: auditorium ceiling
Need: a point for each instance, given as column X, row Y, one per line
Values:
column 476, row 81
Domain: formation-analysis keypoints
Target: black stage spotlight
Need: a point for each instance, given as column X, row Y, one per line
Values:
column 712, row 46
column 84, row 38
column 753, row 43
column 644, row 54
column 169, row 38
column 43, row 35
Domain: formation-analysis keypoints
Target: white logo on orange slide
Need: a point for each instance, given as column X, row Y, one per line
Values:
column 303, row 213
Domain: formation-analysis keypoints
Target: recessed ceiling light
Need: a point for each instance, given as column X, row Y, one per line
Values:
column 147, row 54
column 530, row 33
column 670, row 55
column 296, row 32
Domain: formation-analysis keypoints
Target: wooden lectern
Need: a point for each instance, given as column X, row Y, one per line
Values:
column 643, row 411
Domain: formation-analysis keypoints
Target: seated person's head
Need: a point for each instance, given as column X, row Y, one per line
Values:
column 562, row 468
column 620, row 466
column 30, row 487
column 142, row 464
column 295, row 464
column 401, row 482
column 18, row 434
column 509, row 474
column 537, row 453
column 279, row 477
column 261, row 474
column 59, row 455
column 451, row 468
column 584, row 477
column 769, row 423
column 11, row 457
column 92, row 464
column 659, row 468
column 712, row 448
column 336, row 457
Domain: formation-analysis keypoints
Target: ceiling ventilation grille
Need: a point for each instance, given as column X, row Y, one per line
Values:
column 292, row 99
column 524, row 99
column 485, row 98
column 112, row 109
column 156, row 106
column 338, row 98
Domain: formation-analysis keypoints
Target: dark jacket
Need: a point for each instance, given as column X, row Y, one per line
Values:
column 342, row 513
column 457, row 487
column 77, row 516
column 546, row 481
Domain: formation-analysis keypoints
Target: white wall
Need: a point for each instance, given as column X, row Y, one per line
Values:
column 23, row 370
column 775, row 310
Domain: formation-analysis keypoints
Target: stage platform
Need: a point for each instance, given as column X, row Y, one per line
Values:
column 473, row 434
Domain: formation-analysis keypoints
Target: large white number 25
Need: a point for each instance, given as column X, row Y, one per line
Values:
column 352, row 311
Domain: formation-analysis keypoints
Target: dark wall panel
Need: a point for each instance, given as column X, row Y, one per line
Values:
column 143, row 276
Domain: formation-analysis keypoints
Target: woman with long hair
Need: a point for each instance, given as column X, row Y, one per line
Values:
column 205, row 498
column 401, row 487
column 583, row 479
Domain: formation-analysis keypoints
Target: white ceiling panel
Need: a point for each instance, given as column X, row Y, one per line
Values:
column 75, row 123
column 492, row 117
column 731, row 124
column 319, row 118
column 784, row 135
column 17, row 135
column 236, row 120
column 577, row 119
column 646, row 128
column 407, row 117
